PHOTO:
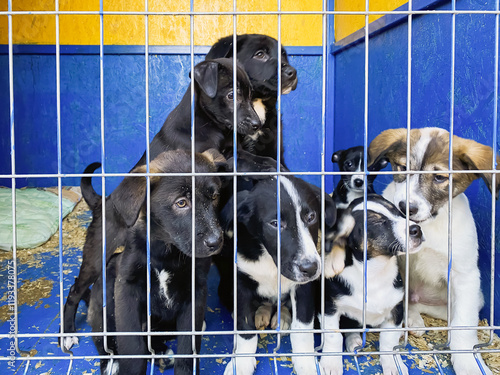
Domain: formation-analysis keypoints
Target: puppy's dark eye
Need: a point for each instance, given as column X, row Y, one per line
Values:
column 274, row 223
column 400, row 167
column 348, row 164
column 259, row 55
column 215, row 196
column 182, row 203
column 229, row 95
column 439, row 178
column 311, row 218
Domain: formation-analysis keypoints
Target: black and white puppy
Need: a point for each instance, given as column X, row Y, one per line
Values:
column 351, row 186
column 386, row 239
column 213, row 101
column 258, row 226
column 258, row 55
column 171, row 249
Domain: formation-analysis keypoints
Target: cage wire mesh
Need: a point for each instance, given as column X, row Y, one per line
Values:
column 36, row 282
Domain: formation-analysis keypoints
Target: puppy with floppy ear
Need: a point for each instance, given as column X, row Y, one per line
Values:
column 213, row 101
column 351, row 187
column 259, row 56
column 171, row 248
column 428, row 205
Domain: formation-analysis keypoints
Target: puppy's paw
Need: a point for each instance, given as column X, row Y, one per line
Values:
column 304, row 365
column 243, row 366
column 334, row 262
column 285, row 321
column 415, row 321
column 263, row 316
column 331, row 365
column 465, row 364
column 166, row 363
column 352, row 340
column 69, row 341
column 389, row 366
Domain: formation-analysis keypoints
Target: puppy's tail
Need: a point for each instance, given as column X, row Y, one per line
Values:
column 88, row 192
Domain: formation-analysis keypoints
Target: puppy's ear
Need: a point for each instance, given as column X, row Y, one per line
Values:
column 129, row 196
column 336, row 156
column 222, row 48
column 477, row 157
column 330, row 214
column 244, row 210
column 381, row 148
column 217, row 159
column 206, row 76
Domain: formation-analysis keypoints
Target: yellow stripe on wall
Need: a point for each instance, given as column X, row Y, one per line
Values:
column 296, row 30
column 348, row 24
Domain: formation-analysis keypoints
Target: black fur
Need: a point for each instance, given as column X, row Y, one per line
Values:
column 171, row 252
column 259, row 56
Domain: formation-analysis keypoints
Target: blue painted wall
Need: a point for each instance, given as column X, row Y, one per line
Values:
column 430, row 95
column 124, row 112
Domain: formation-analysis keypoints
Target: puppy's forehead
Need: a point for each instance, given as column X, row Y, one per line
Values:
column 379, row 205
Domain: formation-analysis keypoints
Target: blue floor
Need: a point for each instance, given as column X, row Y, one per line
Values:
column 44, row 317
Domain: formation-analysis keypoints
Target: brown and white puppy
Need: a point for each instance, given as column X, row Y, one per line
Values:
column 428, row 205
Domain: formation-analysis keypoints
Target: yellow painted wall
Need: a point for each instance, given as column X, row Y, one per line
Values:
column 301, row 30
column 347, row 24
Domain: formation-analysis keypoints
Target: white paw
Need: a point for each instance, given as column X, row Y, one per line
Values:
column 263, row 316
column 331, row 365
column 352, row 340
column 285, row 321
column 304, row 365
column 69, row 341
column 334, row 262
column 243, row 366
column 465, row 364
column 389, row 365
column 165, row 363
column 415, row 321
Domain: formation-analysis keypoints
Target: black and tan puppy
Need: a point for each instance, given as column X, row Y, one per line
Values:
column 171, row 249
column 344, row 293
column 258, row 228
column 213, row 83
column 258, row 55
column 213, row 123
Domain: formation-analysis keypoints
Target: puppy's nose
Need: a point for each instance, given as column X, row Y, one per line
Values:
column 415, row 231
column 309, row 268
column 255, row 124
column 213, row 242
column 358, row 182
column 412, row 210
column 288, row 71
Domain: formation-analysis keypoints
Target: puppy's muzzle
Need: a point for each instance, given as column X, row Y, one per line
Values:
column 211, row 244
column 416, row 237
column 289, row 79
column 250, row 124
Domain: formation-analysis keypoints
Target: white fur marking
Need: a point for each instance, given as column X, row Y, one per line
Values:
column 163, row 279
column 260, row 109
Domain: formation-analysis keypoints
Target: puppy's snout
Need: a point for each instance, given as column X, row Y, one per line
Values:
column 309, row 268
column 358, row 182
column 213, row 242
column 412, row 209
column 415, row 231
column 255, row 124
column 288, row 71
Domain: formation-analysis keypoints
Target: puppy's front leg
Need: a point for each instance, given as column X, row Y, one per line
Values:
column 388, row 340
column 244, row 343
column 303, row 318
column 331, row 364
column 466, row 301
column 128, row 319
column 184, row 323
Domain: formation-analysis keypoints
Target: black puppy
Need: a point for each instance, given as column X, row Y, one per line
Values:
column 214, row 103
column 257, row 276
column 259, row 56
column 213, row 82
column 351, row 187
column 386, row 239
column 171, row 249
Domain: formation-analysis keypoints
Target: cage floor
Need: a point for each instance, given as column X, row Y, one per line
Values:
column 39, row 312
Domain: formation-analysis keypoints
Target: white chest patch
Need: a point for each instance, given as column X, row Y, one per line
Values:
column 163, row 280
column 381, row 295
column 260, row 109
column 265, row 273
